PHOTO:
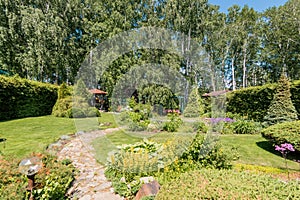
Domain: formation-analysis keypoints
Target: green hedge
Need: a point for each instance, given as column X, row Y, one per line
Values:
column 24, row 98
column 254, row 102
column 288, row 132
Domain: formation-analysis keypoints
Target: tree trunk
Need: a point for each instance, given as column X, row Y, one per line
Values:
column 233, row 73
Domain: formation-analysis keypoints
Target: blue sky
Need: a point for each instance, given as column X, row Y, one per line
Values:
column 258, row 5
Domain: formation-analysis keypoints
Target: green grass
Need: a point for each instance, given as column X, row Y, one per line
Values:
column 34, row 134
column 255, row 150
column 107, row 120
column 104, row 145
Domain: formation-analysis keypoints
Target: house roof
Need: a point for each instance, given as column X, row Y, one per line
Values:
column 215, row 93
column 97, row 91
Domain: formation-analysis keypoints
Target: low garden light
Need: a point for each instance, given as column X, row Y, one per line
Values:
column 30, row 167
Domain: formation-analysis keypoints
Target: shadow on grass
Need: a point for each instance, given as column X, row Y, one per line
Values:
column 268, row 146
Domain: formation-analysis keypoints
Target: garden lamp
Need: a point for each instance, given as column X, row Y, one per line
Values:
column 30, row 167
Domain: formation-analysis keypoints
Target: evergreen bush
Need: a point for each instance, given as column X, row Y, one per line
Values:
column 281, row 108
column 195, row 106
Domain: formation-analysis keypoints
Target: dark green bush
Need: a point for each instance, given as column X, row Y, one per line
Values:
column 228, row 184
column 252, row 102
column 24, row 98
column 288, row 132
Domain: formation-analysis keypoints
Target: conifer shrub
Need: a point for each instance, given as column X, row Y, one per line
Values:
column 281, row 108
column 74, row 103
column 195, row 106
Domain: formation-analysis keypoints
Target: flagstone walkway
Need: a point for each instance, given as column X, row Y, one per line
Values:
column 90, row 183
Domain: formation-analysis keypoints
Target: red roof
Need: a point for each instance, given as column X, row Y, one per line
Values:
column 96, row 91
column 215, row 93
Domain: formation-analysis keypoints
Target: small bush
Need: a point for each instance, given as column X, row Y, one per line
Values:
column 173, row 124
column 228, row 184
column 200, row 127
column 206, row 151
column 246, row 127
column 288, row 132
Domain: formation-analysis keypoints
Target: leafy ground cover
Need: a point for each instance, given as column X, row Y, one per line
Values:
column 228, row 184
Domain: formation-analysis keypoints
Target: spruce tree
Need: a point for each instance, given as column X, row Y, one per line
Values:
column 195, row 107
column 281, row 108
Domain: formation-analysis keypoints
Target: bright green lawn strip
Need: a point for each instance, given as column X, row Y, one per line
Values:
column 32, row 134
column 107, row 120
column 104, row 145
column 255, row 150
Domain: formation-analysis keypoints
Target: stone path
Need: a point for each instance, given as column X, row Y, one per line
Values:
column 90, row 183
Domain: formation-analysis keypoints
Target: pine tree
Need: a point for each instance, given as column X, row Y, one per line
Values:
column 281, row 108
column 195, row 107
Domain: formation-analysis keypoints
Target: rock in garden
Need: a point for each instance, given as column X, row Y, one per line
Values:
column 148, row 189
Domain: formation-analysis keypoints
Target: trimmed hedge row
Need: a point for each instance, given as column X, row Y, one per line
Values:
column 24, row 98
column 254, row 101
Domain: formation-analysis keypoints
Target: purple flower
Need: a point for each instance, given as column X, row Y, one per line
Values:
column 288, row 146
column 219, row 119
column 284, row 148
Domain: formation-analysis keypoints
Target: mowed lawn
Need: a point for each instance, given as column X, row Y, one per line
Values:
column 252, row 149
column 256, row 150
column 32, row 134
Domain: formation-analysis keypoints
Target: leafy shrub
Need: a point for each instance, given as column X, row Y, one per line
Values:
column 73, row 107
column 200, row 127
column 24, row 98
column 52, row 181
column 130, row 162
column 246, row 127
column 138, row 118
column 288, row 132
column 206, row 151
column 281, row 108
column 228, row 184
column 173, row 124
